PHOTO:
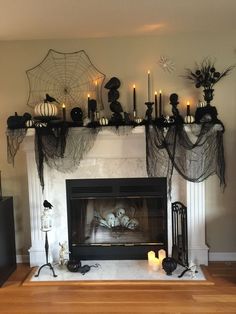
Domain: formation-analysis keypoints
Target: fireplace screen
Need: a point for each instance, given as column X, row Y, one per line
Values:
column 110, row 218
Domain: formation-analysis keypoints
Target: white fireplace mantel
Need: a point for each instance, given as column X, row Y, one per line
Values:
column 112, row 156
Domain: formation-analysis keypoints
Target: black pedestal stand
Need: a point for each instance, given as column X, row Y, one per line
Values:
column 46, row 252
column 149, row 111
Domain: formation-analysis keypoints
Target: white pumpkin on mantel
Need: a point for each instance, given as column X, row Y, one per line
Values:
column 45, row 109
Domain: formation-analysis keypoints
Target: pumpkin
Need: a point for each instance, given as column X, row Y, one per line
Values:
column 103, row 121
column 29, row 123
column 39, row 124
column 138, row 120
column 46, row 109
column 189, row 119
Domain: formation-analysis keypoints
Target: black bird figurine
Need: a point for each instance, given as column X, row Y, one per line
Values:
column 50, row 99
column 46, row 204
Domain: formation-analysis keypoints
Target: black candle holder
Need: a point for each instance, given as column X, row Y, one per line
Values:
column 46, row 252
column 149, row 110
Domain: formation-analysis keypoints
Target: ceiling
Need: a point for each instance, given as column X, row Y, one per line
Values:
column 67, row 19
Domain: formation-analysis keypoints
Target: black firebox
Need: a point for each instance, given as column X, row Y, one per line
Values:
column 116, row 218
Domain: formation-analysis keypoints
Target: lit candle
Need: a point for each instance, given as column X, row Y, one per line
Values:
column 149, row 87
column 155, row 264
column 160, row 104
column 188, row 109
column 88, row 106
column 134, row 98
column 161, row 255
column 64, row 112
column 155, row 105
column 151, row 256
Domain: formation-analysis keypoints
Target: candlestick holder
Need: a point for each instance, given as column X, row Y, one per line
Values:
column 149, row 110
column 46, row 253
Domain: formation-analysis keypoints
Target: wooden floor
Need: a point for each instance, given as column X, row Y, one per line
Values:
column 169, row 298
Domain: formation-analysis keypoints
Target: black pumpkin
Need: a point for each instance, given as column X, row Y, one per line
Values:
column 16, row 122
column 76, row 114
column 73, row 265
column 169, row 264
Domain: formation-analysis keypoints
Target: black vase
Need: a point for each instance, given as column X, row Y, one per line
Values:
column 208, row 95
column 169, row 264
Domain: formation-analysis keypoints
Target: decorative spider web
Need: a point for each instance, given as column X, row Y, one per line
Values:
column 166, row 64
column 67, row 77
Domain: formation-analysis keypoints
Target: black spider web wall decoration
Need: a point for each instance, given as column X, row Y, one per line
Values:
column 67, row 77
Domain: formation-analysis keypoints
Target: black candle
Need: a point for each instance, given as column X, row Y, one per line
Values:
column 88, row 106
column 64, row 112
column 155, row 105
column 160, row 104
column 188, row 109
column 134, row 98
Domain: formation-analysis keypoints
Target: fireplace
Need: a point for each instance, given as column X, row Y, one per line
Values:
column 116, row 218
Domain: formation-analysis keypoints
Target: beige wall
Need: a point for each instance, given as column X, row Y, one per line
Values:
column 129, row 59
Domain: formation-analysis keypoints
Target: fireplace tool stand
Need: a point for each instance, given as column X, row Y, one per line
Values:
column 47, row 263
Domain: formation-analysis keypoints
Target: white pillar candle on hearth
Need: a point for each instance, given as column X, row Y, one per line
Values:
column 155, row 264
column 161, row 255
column 151, row 257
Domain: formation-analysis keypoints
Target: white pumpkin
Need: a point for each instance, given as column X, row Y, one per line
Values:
column 189, row 119
column 29, row 123
column 103, row 121
column 46, row 109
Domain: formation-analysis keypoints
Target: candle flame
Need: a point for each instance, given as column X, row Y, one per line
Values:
column 149, row 72
column 134, row 86
column 188, row 103
column 155, row 92
column 63, row 106
column 160, row 91
column 96, row 83
column 88, row 95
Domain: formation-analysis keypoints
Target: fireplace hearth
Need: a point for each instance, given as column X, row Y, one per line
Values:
column 116, row 218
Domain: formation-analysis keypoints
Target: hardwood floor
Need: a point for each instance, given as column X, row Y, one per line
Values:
column 169, row 298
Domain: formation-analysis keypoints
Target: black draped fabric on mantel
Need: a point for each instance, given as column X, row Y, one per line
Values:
column 195, row 151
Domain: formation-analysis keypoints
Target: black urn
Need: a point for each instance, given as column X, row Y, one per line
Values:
column 169, row 264
column 73, row 265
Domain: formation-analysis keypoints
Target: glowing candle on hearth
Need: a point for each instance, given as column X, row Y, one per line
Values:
column 64, row 112
column 155, row 264
column 149, row 86
column 155, row 105
column 161, row 255
column 188, row 108
column 160, row 103
column 151, row 256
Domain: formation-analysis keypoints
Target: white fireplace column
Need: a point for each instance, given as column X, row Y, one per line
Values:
column 112, row 156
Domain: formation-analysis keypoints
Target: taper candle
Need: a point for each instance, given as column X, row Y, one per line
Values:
column 155, row 105
column 149, row 87
column 64, row 112
column 88, row 106
column 188, row 109
column 134, row 98
column 160, row 103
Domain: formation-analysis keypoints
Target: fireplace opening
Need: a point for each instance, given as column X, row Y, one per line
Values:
column 116, row 218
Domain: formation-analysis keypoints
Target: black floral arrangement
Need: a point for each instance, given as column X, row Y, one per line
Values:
column 205, row 74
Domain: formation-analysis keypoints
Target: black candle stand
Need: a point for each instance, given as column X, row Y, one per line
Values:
column 46, row 252
column 149, row 110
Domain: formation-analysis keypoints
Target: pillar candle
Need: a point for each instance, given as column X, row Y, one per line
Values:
column 155, row 105
column 64, row 112
column 149, row 87
column 151, row 256
column 160, row 104
column 161, row 255
column 134, row 98
column 155, row 264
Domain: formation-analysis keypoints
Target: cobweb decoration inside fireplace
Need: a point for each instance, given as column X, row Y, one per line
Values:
column 116, row 218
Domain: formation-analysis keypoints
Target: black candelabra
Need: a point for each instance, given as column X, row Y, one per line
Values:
column 46, row 252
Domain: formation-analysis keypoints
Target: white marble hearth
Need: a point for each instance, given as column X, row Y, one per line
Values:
column 112, row 156
column 116, row 270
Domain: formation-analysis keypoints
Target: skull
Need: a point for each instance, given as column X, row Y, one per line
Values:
column 124, row 221
column 120, row 212
column 116, row 222
column 110, row 218
column 133, row 224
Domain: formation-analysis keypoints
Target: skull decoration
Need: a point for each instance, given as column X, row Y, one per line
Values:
column 116, row 222
column 133, row 224
column 110, row 219
column 120, row 212
column 124, row 221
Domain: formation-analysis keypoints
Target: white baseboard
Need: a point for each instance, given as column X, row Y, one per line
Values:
column 22, row 259
column 222, row 256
